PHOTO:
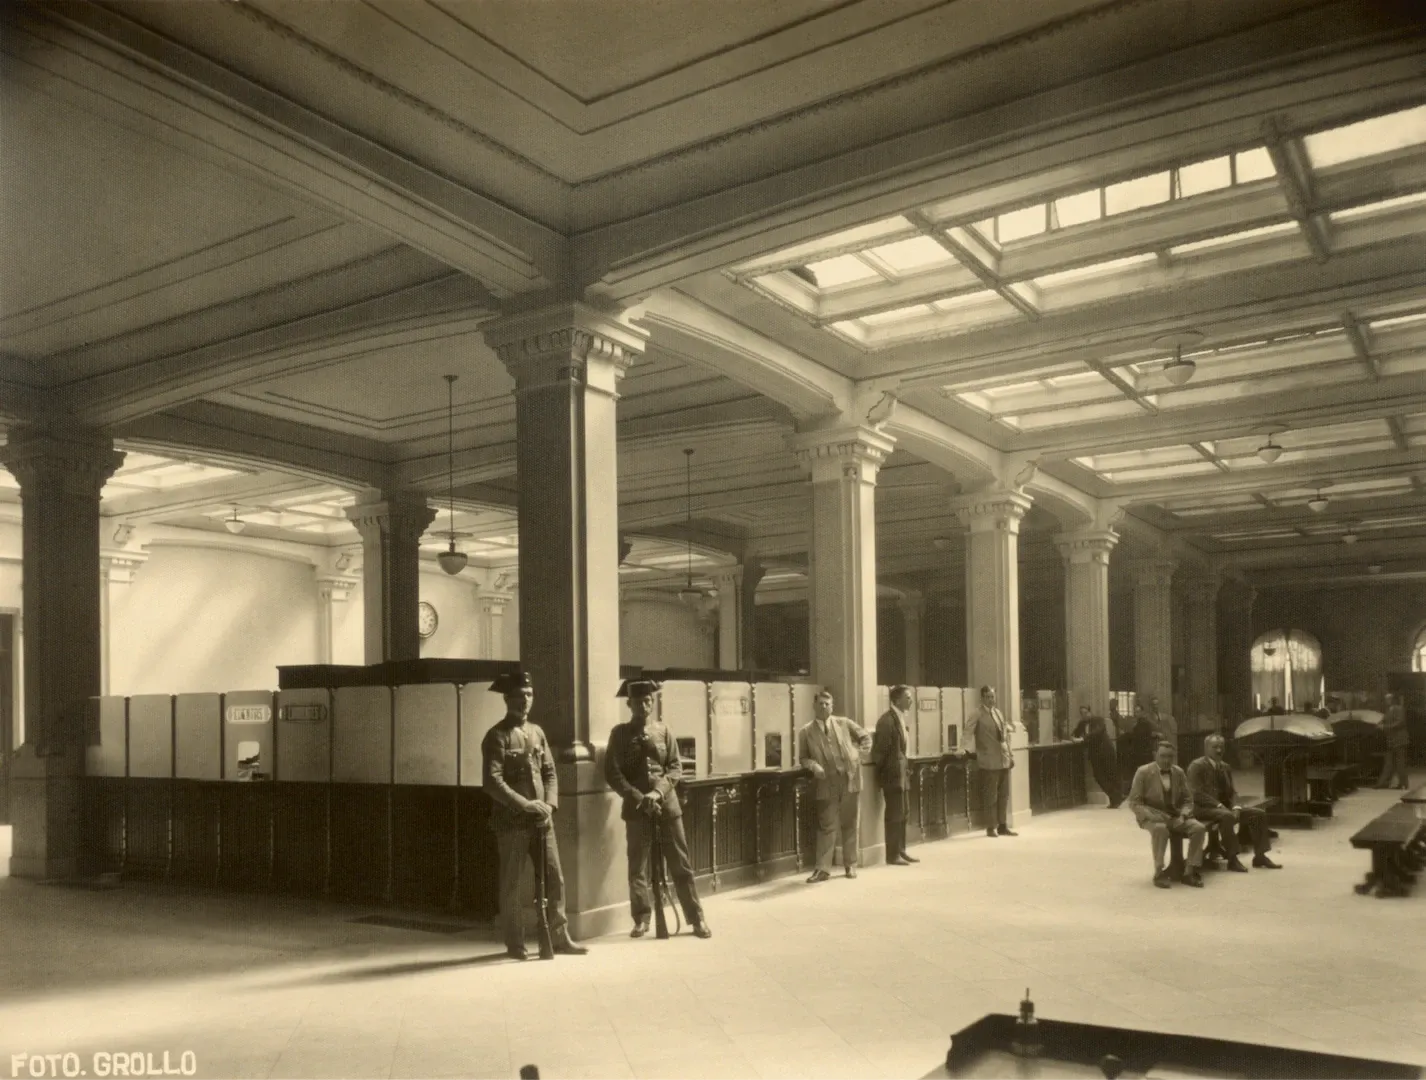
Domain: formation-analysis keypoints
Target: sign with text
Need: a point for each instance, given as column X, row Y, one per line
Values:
column 296, row 714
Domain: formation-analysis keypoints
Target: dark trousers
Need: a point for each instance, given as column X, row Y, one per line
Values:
column 995, row 797
column 1394, row 764
column 639, row 831
column 895, row 822
column 1251, row 827
column 1105, row 768
column 516, row 847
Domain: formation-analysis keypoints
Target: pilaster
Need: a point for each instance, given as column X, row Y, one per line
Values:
column 492, row 622
column 730, row 617
column 117, row 570
column 1153, row 629
column 1086, row 555
column 912, row 606
column 391, row 525
column 843, row 464
column 331, row 591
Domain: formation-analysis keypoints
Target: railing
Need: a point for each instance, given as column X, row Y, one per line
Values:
column 938, row 802
column 745, row 827
column 1057, row 777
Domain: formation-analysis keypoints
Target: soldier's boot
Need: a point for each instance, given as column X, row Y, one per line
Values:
column 641, row 927
column 565, row 946
column 517, row 952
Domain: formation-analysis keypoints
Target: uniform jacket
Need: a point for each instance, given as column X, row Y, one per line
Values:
column 1212, row 784
column 888, row 751
column 518, row 769
column 640, row 759
column 988, row 736
column 1146, row 794
column 1393, row 724
column 844, row 735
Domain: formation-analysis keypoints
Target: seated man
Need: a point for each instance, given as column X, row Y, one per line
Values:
column 1163, row 806
column 1215, row 803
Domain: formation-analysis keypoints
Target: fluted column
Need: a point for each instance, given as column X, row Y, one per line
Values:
column 730, row 617
column 1235, row 621
column 1153, row 630
column 843, row 464
column 913, row 620
column 61, row 472
column 391, row 525
column 492, row 622
column 993, row 593
column 1200, row 596
column 1086, row 554
column 567, row 362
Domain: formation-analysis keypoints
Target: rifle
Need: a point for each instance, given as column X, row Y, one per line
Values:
column 547, row 945
column 656, row 874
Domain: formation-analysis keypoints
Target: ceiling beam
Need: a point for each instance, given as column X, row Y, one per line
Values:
column 972, row 262
column 1373, row 464
column 1358, row 339
column 1294, row 177
column 227, row 490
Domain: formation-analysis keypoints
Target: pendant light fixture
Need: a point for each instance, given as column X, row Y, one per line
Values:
column 688, row 594
column 1178, row 370
column 451, row 560
column 235, row 524
column 1270, row 451
column 1318, row 502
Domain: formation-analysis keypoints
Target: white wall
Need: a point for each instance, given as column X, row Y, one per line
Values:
column 655, row 633
column 458, row 632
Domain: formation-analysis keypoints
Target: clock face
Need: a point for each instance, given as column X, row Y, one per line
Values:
column 426, row 620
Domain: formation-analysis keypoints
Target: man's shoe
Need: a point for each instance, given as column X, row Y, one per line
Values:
column 818, row 876
column 1272, row 834
column 1006, row 830
column 1262, row 862
column 640, row 928
column 517, row 952
column 991, row 833
column 565, row 947
column 909, row 858
column 1161, row 879
column 1194, row 879
column 851, row 871
column 898, row 860
column 700, row 930
column 1237, row 867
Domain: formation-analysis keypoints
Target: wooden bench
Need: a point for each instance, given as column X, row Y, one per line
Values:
column 1328, row 783
column 1397, row 841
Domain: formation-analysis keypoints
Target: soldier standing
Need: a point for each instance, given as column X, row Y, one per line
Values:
column 519, row 776
column 642, row 765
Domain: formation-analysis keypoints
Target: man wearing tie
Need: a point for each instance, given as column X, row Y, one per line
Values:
column 888, row 754
column 1215, row 803
column 988, row 737
column 1163, row 807
column 830, row 746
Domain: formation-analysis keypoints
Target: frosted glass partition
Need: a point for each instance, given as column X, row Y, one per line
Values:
column 732, row 716
column 247, row 735
column 198, row 736
column 426, row 733
column 110, row 756
column 361, row 735
column 480, row 710
column 151, row 736
column 802, row 714
column 930, row 735
column 772, row 704
column 304, row 735
column 953, row 716
column 684, row 708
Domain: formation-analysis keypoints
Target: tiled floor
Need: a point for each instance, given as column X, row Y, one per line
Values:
column 850, row 978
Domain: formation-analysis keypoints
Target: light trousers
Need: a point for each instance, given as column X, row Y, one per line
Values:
column 839, row 817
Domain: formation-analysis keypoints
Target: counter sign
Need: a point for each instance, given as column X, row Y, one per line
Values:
column 249, row 714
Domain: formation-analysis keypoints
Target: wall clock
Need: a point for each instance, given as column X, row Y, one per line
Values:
column 426, row 620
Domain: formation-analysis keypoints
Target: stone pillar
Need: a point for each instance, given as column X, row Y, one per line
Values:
column 748, row 614
column 116, row 571
column 492, row 623
column 1086, row 554
column 993, row 614
column 391, row 525
column 1235, row 621
column 567, row 362
column 843, row 464
column 1153, row 631
column 913, row 621
column 331, row 591
column 61, row 472
column 1200, row 596
column 730, row 618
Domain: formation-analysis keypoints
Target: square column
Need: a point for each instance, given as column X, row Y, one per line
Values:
column 1086, row 555
column 913, row 621
column 391, row 526
column 61, row 472
column 843, row 464
column 1235, row 621
column 730, row 618
column 1201, row 632
column 1153, row 630
column 567, row 362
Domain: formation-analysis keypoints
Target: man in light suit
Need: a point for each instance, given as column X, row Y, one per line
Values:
column 987, row 736
column 830, row 746
column 888, row 754
column 1163, row 807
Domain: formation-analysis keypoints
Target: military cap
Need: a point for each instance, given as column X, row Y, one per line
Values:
column 511, row 681
column 638, row 688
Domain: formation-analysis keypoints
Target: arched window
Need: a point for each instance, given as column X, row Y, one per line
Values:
column 1287, row 665
column 1418, row 652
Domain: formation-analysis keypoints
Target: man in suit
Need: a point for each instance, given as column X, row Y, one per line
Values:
column 642, row 765
column 1215, row 803
column 830, row 746
column 1163, row 722
column 988, row 738
column 1163, row 807
column 1099, row 747
column 888, row 754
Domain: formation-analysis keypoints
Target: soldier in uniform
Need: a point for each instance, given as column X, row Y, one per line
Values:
column 642, row 765
column 519, row 776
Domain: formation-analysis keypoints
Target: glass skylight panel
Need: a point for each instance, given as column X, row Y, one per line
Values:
column 1379, row 135
column 915, row 254
column 887, row 318
column 1398, row 320
column 841, row 270
column 1253, row 165
column 1204, row 176
column 1281, row 228
column 957, row 303
column 1077, row 209
column 1382, row 207
column 986, row 231
column 1094, row 270
column 1136, row 194
column 1019, row 224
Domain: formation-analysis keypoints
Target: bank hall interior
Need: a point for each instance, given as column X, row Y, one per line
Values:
column 354, row 354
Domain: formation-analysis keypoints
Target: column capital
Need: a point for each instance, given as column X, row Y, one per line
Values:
column 401, row 514
column 1153, row 572
column 494, row 603
column 1087, row 545
column 69, row 460
column 335, row 589
column 119, row 567
column 995, row 510
column 566, row 344
column 850, row 453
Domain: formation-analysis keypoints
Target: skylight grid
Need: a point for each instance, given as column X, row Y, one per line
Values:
column 1278, row 229
column 1383, row 207
column 842, row 270
column 917, row 253
column 1367, row 138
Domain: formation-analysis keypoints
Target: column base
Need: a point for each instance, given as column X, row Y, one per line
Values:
column 593, row 852
column 45, row 815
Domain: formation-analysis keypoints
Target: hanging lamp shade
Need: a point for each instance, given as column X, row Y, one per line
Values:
column 451, row 560
column 688, row 594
